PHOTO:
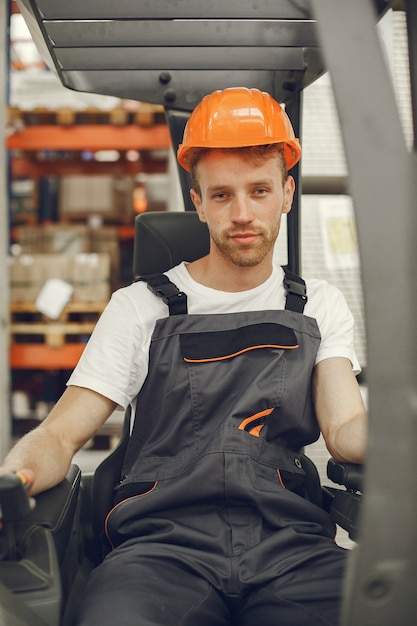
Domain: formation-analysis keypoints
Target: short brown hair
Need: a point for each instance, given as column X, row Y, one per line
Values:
column 254, row 154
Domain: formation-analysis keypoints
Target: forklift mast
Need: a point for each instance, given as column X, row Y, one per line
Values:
column 173, row 53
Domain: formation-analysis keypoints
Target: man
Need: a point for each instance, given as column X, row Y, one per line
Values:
column 211, row 523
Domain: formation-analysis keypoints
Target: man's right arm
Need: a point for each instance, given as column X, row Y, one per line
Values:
column 47, row 451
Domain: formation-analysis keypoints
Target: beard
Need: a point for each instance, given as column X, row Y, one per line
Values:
column 246, row 255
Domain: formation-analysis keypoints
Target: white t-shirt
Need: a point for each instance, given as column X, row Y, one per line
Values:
column 115, row 360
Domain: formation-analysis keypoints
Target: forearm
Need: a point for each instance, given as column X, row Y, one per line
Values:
column 340, row 410
column 349, row 442
column 47, row 451
column 41, row 452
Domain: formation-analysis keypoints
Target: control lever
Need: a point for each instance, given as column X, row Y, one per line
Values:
column 15, row 503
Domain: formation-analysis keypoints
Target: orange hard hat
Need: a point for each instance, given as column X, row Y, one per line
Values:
column 237, row 117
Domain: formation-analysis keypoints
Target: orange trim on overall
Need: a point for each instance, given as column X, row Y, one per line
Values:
column 280, row 479
column 140, row 495
column 230, row 356
column 256, row 431
column 252, row 418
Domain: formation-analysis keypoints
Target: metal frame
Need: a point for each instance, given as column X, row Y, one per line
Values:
column 187, row 49
column 381, row 583
column 5, row 419
column 174, row 53
column 382, row 180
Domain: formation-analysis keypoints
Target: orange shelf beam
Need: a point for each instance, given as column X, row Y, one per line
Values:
column 41, row 356
column 125, row 232
column 90, row 137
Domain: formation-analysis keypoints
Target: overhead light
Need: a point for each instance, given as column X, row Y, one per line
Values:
column 108, row 156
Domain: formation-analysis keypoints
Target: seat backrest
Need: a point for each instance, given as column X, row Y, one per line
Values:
column 165, row 238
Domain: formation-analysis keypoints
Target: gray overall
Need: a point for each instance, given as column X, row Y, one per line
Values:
column 212, row 522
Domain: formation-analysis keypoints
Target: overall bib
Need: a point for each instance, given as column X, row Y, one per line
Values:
column 213, row 484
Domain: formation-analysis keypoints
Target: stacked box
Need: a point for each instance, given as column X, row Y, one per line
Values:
column 122, row 197
column 106, row 196
column 86, row 195
column 73, row 240
column 88, row 273
column 65, row 239
column 28, row 273
column 30, row 239
column 22, row 281
column 90, row 277
column 54, row 239
column 105, row 240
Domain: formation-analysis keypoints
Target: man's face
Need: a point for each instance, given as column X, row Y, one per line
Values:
column 242, row 203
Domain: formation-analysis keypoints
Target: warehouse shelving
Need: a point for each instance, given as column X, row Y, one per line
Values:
column 92, row 137
column 32, row 150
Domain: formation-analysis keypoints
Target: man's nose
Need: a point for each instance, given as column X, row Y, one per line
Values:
column 241, row 209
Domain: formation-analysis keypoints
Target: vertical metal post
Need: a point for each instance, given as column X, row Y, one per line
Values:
column 293, row 109
column 176, row 121
column 382, row 575
column 4, row 242
column 411, row 8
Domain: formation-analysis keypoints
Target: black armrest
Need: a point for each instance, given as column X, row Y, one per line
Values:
column 344, row 506
column 348, row 474
column 56, row 509
column 40, row 553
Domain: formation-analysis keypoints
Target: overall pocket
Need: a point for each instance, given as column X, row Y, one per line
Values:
column 287, row 474
column 238, row 372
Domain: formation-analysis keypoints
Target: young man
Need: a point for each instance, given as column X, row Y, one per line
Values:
column 211, row 523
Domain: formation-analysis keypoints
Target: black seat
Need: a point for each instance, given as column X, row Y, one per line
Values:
column 164, row 239
column 58, row 543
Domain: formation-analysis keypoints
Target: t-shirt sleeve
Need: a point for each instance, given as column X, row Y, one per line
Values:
column 336, row 324
column 112, row 361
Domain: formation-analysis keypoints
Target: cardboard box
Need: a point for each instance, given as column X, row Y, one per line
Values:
column 29, row 272
column 88, row 273
column 72, row 240
column 65, row 239
column 105, row 240
column 54, row 239
column 106, row 196
column 90, row 277
column 85, row 194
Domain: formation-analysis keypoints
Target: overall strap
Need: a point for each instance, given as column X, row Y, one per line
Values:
column 296, row 292
column 162, row 287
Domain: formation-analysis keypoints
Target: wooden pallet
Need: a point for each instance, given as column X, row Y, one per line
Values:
column 139, row 113
column 77, row 320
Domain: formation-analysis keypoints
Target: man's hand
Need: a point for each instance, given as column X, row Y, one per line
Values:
column 27, row 477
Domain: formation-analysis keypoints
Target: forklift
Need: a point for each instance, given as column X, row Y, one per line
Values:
column 172, row 54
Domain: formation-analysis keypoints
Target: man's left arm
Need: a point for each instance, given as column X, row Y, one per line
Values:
column 340, row 410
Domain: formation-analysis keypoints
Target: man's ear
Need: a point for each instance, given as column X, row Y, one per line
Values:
column 195, row 197
column 289, row 189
